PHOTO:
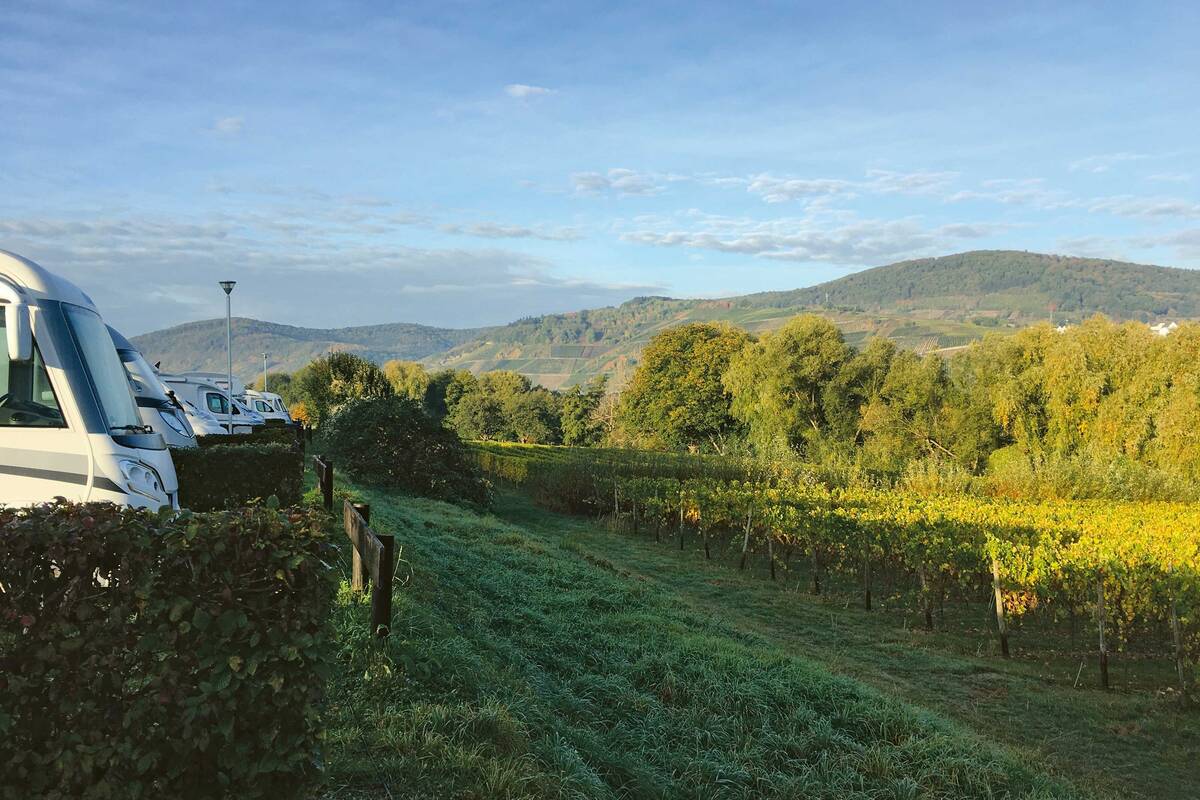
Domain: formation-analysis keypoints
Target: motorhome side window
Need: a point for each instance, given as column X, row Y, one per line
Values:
column 26, row 398
column 217, row 404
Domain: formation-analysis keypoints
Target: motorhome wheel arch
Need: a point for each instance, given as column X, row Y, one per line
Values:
column 69, row 425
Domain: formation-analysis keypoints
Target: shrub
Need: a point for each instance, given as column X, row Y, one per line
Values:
column 390, row 441
column 285, row 435
column 231, row 475
column 161, row 655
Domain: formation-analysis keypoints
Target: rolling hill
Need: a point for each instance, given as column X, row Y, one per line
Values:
column 925, row 304
column 201, row 345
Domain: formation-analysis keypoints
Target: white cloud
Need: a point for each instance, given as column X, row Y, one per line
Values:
column 1169, row 177
column 888, row 182
column 781, row 190
column 1145, row 207
column 491, row 230
column 1103, row 163
column 229, row 126
column 620, row 181
column 523, row 91
column 855, row 242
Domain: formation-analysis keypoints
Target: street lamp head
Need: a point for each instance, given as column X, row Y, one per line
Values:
column 228, row 286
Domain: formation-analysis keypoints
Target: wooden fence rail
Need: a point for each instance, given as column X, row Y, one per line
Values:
column 374, row 559
column 324, row 470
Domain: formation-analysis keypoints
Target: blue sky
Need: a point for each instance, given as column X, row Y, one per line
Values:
column 463, row 163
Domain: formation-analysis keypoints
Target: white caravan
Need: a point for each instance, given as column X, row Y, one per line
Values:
column 204, row 392
column 69, row 426
column 270, row 405
column 157, row 410
column 202, row 422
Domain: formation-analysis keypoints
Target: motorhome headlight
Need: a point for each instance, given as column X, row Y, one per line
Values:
column 142, row 479
column 172, row 419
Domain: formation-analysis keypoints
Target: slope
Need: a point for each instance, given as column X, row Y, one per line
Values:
column 201, row 345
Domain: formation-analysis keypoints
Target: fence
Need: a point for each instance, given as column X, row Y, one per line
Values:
column 374, row 556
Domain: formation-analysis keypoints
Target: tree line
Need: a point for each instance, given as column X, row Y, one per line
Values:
column 1098, row 408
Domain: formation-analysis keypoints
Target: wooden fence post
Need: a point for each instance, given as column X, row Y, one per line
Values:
column 324, row 469
column 1001, row 626
column 1100, row 619
column 381, row 597
column 358, row 571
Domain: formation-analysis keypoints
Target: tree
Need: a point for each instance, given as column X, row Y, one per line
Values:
column 278, row 382
column 329, row 382
column 408, row 378
column 581, row 423
column 532, row 417
column 477, row 415
column 675, row 397
column 777, row 383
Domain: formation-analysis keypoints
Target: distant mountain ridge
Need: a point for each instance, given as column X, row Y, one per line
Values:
column 923, row 304
column 201, row 345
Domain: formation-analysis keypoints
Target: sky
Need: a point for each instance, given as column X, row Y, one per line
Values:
column 470, row 163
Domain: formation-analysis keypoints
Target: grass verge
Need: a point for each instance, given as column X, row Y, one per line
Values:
column 526, row 663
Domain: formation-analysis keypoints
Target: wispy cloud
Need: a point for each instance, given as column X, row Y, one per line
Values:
column 491, row 230
column 523, row 91
column 229, row 126
column 1145, row 207
column 1169, row 177
column 850, row 243
column 619, row 181
column 1103, row 163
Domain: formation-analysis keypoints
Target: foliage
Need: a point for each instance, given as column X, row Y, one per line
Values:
column 676, row 397
column 285, row 435
column 582, row 425
column 408, row 378
column 160, row 655
column 390, row 441
column 329, row 382
column 229, row 475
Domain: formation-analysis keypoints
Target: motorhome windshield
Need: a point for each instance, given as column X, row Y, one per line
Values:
column 102, row 363
column 141, row 375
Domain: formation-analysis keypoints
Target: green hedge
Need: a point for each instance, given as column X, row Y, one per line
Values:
column 276, row 435
column 231, row 475
column 149, row 655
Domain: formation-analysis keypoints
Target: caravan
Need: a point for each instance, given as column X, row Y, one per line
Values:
column 210, row 392
column 270, row 405
column 160, row 412
column 69, row 425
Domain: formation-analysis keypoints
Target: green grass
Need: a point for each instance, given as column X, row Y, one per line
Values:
column 540, row 656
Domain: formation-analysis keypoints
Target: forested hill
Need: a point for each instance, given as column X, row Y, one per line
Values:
column 927, row 304
column 201, row 345
column 1017, row 283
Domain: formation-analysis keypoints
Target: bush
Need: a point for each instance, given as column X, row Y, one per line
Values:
column 390, row 441
column 161, row 655
column 231, row 475
column 272, row 435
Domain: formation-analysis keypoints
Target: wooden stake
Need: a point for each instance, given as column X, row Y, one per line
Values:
column 1001, row 626
column 1180, row 663
column 1100, row 619
column 867, row 582
column 816, row 570
column 925, row 605
column 771, row 554
column 746, row 541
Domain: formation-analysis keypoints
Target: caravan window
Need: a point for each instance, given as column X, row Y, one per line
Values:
column 26, row 397
column 102, row 363
column 218, row 404
column 265, row 408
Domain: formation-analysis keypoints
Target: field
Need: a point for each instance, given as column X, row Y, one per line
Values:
column 538, row 655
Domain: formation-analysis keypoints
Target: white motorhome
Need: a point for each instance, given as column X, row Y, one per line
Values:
column 270, row 405
column 69, row 425
column 157, row 410
column 203, row 390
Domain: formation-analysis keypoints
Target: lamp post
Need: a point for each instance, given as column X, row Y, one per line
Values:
column 228, row 287
column 264, row 372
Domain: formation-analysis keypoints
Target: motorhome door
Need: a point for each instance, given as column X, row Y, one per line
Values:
column 43, row 450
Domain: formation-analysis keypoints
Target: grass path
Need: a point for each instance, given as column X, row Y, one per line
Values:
column 525, row 663
column 1125, row 743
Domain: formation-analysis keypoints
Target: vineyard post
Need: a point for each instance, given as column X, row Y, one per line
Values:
column 1100, row 619
column 704, row 533
column 681, row 522
column 746, row 540
column 867, row 580
column 816, row 571
column 1180, row 666
column 1001, row 626
column 771, row 553
column 925, row 605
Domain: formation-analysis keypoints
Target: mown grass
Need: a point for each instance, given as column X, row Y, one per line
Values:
column 526, row 663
